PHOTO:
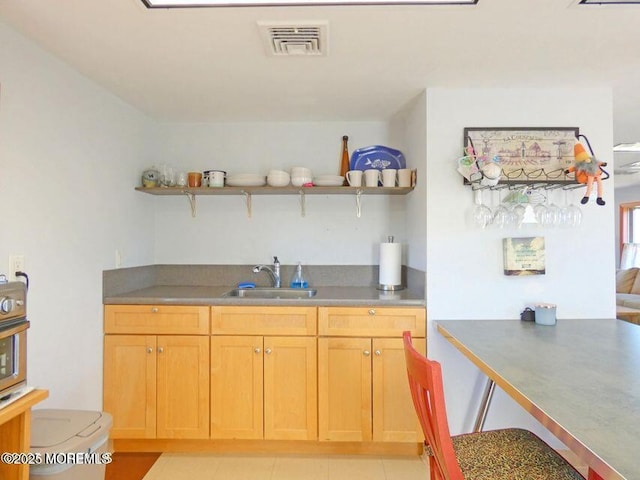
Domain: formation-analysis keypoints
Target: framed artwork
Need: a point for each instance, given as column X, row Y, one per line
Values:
column 535, row 154
column 523, row 256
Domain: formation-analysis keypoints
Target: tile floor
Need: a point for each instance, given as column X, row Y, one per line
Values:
column 175, row 466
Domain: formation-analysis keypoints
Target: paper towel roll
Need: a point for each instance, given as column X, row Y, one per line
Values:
column 390, row 266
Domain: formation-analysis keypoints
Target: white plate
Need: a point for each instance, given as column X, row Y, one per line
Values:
column 328, row 180
column 246, row 180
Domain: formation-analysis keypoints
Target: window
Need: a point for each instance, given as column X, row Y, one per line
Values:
column 630, row 234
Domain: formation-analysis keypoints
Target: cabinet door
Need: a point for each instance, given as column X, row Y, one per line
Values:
column 156, row 319
column 394, row 418
column 263, row 320
column 130, row 385
column 344, row 389
column 183, row 387
column 236, row 387
column 290, row 388
column 371, row 321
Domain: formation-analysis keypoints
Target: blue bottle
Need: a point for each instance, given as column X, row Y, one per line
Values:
column 298, row 281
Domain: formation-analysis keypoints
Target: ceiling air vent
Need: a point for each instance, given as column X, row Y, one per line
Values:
column 297, row 39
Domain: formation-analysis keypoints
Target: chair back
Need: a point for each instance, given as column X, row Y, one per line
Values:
column 425, row 382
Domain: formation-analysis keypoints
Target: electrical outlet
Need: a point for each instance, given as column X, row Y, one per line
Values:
column 16, row 264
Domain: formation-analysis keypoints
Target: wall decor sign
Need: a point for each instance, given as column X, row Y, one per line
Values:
column 533, row 154
column 523, row 256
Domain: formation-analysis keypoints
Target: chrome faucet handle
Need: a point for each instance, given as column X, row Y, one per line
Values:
column 276, row 273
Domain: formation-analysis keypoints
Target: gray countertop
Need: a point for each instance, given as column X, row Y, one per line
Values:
column 579, row 378
column 214, row 295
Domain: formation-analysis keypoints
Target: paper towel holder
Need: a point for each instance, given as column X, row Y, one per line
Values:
column 390, row 288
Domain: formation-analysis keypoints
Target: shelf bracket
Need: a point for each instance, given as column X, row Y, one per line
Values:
column 192, row 202
column 247, row 200
column 358, row 203
column 303, row 204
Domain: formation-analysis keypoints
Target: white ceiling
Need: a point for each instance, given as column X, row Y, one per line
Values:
column 210, row 64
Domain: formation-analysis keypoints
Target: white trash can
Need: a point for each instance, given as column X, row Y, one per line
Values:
column 71, row 443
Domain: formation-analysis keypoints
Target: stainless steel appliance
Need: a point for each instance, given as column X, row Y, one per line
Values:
column 13, row 336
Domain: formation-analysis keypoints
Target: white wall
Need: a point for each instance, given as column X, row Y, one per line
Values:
column 464, row 272
column 408, row 126
column 222, row 232
column 69, row 159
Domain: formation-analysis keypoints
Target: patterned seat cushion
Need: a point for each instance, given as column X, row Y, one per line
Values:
column 509, row 454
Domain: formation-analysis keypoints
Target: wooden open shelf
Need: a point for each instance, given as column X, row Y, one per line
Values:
column 266, row 190
column 248, row 192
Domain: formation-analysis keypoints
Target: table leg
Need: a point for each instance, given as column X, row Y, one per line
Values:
column 484, row 405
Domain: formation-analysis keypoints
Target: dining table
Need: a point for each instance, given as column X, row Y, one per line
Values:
column 580, row 378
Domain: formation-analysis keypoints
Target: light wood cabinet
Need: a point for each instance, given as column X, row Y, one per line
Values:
column 236, row 387
column 156, row 319
column 344, row 385
column 264, row 386
column 156, row 386
column 260, row 373
column 362, row 380
column 130, row 385
column 182, row 387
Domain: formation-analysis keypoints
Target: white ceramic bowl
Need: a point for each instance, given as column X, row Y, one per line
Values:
column 301, row 172
column 277, row 172
column 299, row 181
column 278, row 180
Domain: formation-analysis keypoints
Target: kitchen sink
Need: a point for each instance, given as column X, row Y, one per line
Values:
column 276, row 293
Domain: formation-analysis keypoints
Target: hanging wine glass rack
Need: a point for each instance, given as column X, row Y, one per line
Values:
column 522, row 178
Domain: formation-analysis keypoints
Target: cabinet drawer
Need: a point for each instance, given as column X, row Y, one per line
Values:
column 156, row 319
column 264, row 320
column 371, row 321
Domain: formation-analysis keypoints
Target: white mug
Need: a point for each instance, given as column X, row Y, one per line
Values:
column 404, row 177
column 372, row 177
column 354, row 178
column 215, row 178
column 389, row 177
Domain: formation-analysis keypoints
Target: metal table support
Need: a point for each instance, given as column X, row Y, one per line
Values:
column 484, row 405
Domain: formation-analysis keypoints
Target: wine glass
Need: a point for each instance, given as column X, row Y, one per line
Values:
column 481, row 214
column 540, row 211
column 518, row 214
column 552, row 217
column 571, row 213
column 501, row 215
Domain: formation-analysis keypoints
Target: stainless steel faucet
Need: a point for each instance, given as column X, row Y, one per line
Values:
column 274, row 271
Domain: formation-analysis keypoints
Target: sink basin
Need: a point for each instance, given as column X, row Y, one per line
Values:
column 271, row 293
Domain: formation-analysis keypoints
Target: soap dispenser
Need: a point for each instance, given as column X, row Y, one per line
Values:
column 298, row 281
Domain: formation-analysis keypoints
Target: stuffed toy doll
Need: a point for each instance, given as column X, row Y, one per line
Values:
column 587, row 171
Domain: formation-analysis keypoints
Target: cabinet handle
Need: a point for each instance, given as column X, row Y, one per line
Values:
column 160, row 349
column 154, row 310
column 372, row 311
column 366, row 353
column 378, row 352
column 257, row 350
column 149, row 349
column 267, row 351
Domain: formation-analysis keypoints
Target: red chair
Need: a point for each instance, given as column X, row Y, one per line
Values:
column 509, row 454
